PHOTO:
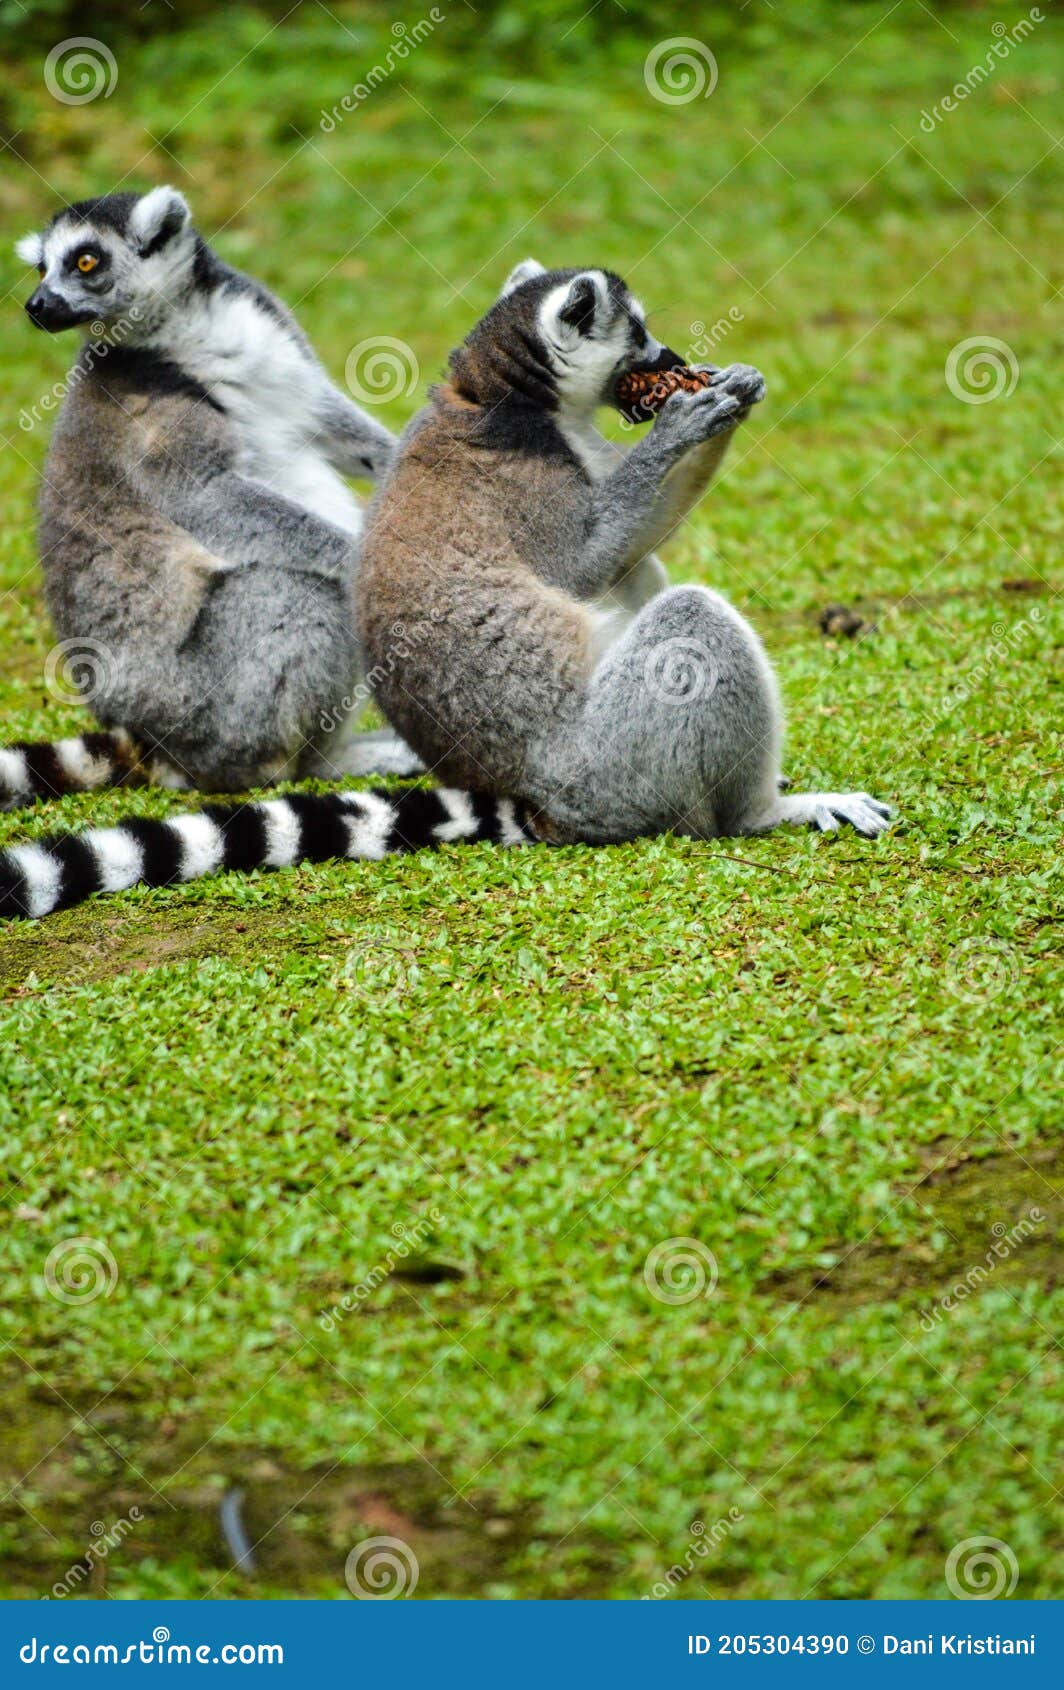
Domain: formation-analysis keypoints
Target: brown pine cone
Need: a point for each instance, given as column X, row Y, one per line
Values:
column 640, row 394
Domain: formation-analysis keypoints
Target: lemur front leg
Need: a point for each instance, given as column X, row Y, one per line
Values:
column 630, row 510
column 686, row 482
column 354, row 443
column 241, row 520
column 693, row 475
column 643, row 575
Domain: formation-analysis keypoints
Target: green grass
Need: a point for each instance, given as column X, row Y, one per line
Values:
column 832, row 1063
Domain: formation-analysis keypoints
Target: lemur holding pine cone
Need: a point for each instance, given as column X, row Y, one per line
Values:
column 506, row 519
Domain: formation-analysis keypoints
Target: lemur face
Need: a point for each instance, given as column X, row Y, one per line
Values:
column 592, row 327
column 103, row 260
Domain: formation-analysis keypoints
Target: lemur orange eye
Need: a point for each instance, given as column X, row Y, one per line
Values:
column 41, row 271
column 86, row 263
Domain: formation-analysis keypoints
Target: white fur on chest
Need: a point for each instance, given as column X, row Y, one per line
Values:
column 614, row 610
column 267, row 385
column 597, row 454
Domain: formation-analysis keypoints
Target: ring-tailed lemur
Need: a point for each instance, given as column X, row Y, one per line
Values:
column 497, row 529
column 197, row 538
column 505, row 521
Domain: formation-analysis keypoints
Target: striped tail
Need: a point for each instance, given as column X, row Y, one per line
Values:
column 54, row 873
column 50, row 768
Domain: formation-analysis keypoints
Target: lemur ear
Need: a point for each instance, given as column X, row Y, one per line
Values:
column 581, row 302
column 156, row 218
column 523, row 272
column 30, row 248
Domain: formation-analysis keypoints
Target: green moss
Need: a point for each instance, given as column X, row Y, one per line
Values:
column 997, row 1220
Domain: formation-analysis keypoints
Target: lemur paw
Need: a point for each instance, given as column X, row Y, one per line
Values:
column 742, row 380
column 689, row 418
column 865, row 815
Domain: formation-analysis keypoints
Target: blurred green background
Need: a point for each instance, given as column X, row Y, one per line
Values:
column 476, row 1092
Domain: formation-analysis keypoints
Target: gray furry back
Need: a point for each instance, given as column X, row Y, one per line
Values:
column 197, row 535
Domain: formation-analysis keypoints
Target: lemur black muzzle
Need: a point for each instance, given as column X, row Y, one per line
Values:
column 48, row 311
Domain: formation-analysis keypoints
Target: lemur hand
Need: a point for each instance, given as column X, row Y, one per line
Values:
column 742, row 380
column 687, row 419
column 380, row 455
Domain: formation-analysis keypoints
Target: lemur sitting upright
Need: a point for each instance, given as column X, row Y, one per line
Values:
column 505, row 521
column 197, row 540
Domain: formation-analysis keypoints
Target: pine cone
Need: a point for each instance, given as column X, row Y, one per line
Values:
column 640, row 394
